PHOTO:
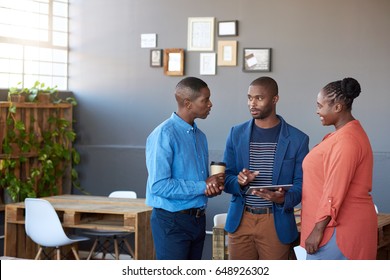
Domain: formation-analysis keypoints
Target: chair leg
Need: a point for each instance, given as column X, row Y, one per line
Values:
column 116, row 248
column 76, row 255
column 106, row 246
column 129, row 248
column 93, row 249
column 58, row 251
column 37, row 257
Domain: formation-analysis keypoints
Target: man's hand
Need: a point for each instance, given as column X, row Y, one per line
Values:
column 246, row 176
column 215, row 184
column 274, row 196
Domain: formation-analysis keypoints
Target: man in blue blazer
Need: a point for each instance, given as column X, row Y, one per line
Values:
column 262, row 152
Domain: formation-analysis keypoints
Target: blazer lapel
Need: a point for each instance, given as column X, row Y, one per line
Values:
column 245, row 138
column 280, row 151
column 279, row 156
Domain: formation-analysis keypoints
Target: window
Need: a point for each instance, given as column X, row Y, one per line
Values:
column 34, row 42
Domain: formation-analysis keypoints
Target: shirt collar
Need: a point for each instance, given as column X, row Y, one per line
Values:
column 183, row 124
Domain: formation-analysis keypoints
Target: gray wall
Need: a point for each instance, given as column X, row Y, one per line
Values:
column 121, row 98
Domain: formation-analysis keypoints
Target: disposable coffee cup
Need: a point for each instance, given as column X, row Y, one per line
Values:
column 217, row 167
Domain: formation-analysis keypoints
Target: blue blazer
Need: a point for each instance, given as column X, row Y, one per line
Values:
column 293, row 145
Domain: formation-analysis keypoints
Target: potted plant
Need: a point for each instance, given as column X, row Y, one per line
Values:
column 41, row 93
column 38, row 92
column 17, row 94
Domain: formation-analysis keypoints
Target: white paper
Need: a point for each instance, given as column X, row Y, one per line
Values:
column 300, row 253
column 227, row 53
column 251, row 60
column 207, row 63
column 227, row 28
column 148, row 40
column 201, row 34
column 174, row 62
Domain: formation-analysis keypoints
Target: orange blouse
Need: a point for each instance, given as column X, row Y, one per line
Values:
column 337, row 181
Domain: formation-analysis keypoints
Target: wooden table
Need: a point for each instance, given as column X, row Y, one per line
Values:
column 84, row 212
column 220, row 251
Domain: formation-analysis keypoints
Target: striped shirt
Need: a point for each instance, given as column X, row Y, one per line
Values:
column 262, row 149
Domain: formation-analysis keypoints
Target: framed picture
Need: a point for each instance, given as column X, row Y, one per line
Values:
column 200, row 34
column 174, row 62
column 149, row 40
column 156, row 58
column 228, row 28
column 207, row 63
column 257, row 60
column 227, row 53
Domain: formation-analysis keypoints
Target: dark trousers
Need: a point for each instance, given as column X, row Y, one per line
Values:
column 177, row 236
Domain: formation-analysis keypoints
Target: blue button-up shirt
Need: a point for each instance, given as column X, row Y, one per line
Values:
column 177, row 163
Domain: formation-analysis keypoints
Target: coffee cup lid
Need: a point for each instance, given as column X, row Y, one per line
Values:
column 218, row 163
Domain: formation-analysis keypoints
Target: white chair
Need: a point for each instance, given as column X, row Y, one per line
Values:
column 220, row 219
column 43, row 226
column 108, row 235
column 123, row 194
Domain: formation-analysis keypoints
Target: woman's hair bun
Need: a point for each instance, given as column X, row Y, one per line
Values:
column 350, row 88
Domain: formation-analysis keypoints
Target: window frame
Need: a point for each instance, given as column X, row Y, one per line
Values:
column 59, row 65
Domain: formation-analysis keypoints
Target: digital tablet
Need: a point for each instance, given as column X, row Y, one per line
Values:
column 273, row 188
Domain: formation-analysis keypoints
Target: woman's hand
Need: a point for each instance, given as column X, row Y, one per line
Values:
column 315, row 237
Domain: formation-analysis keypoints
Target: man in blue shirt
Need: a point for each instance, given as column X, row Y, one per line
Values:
column 178, row 183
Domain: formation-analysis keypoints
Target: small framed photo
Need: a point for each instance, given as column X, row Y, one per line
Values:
column 148, row 40
column 227, row 53
column 200, row 34
column 257, row 60
column 228, row 28
column 174, row 62
column 207, row 63
column 156, row 58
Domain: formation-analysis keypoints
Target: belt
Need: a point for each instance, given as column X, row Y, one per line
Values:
column 198, row 212
column 254, row 210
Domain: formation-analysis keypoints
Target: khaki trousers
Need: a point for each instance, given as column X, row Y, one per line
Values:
column 256, row 239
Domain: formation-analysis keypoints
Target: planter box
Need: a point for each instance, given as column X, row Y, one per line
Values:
column 36, row 119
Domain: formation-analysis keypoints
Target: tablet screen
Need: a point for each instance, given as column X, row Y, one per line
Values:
column 286, row 187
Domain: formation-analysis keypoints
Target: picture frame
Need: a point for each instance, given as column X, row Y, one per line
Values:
column 227, row 53
column 257, row 59
column 174, row 62
column 148, row 40
column 200, row 34
column 228, row 28
column 208, row 63
column 156, row 56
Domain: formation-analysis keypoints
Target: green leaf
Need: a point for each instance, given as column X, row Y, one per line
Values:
column 19, row 125
column 75, row 156
column 71, row 100
column 12, row 109
column 7, row 149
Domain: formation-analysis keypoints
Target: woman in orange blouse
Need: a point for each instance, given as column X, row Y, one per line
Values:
column 338, row 215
